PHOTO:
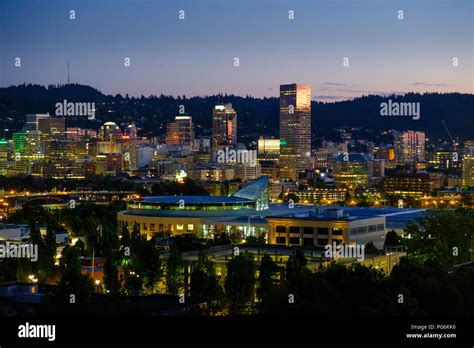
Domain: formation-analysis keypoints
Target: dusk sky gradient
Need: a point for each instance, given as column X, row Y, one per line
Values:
column 195, row 56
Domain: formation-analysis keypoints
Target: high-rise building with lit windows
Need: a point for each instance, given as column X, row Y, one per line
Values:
column 32, row 121
column 468, row 164
column 53, row 128
column 28, row 150
column 4, row 145
column 224, row 126
column 352, row 171
column 20, row 164
column 35, row 146
column 180, row 131
column 268, row 148
column 410, row 147
column 109, row 131
column 295, row 130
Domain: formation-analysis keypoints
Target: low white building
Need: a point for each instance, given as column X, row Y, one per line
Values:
column 14, row 232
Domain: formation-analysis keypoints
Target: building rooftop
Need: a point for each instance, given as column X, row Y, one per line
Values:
column 248, row 194
column 395, row 217
column 194, row 199
column 353, row 157
column 253, row 190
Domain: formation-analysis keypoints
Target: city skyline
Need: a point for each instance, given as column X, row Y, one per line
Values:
column 268, row 162
column 188, row 56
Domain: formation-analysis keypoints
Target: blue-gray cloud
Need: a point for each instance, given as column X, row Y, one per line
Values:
column 430, row 84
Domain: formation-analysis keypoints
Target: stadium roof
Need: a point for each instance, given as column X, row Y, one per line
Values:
column 194, row 199
column 248, row 194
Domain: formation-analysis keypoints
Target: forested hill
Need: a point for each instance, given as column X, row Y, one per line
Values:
column 255, row 115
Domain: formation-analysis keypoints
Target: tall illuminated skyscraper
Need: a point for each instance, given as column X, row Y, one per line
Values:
column 410, row 147
column 224, row 126
column 468, row 164
column 295, row 130
column 20, row 163
column 180, row 132
column 28, row 149
column 3, row 156
column 52, row 129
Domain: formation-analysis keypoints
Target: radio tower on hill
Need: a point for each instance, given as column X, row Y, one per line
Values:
column 68, row 77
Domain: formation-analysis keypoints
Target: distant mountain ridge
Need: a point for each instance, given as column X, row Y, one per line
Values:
column 257, row 116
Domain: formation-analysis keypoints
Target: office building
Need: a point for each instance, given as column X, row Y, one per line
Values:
column 407, row 184
column 224, row 126
column 352, row 171
column 325, row 228
column 410, row 147
column 4, row 150
column 295, row 130
column 444, row 159
column 109, row 131
column 246, row 172
column 32, row 121
column 180, row 131
column 468, row 164
column 268, row 149
column 53, row 128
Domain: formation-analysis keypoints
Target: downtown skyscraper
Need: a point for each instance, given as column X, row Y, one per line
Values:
column 295, row 130
column 224, row 126
column 410, row 147
column 180, row 131
column 468, row 164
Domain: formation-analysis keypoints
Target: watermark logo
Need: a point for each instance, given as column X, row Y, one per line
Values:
column 37, row 331
column 75, row 109
column 409, row 109
column 337, row 251
column 231, row 156
column 291, row 14
column 20, row 251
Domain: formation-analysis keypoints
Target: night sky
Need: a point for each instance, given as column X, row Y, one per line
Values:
column 195, row 56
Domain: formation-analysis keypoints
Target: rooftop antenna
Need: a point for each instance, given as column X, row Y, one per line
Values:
column 68, row 77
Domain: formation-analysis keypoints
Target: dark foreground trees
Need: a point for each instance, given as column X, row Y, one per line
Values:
column 356, row 290
column 74, row 287
column 205, row 291
column 240, row 283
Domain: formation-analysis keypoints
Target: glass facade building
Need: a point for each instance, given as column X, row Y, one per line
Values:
column 180, row 132
column 224, row 126
column 295, row 130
